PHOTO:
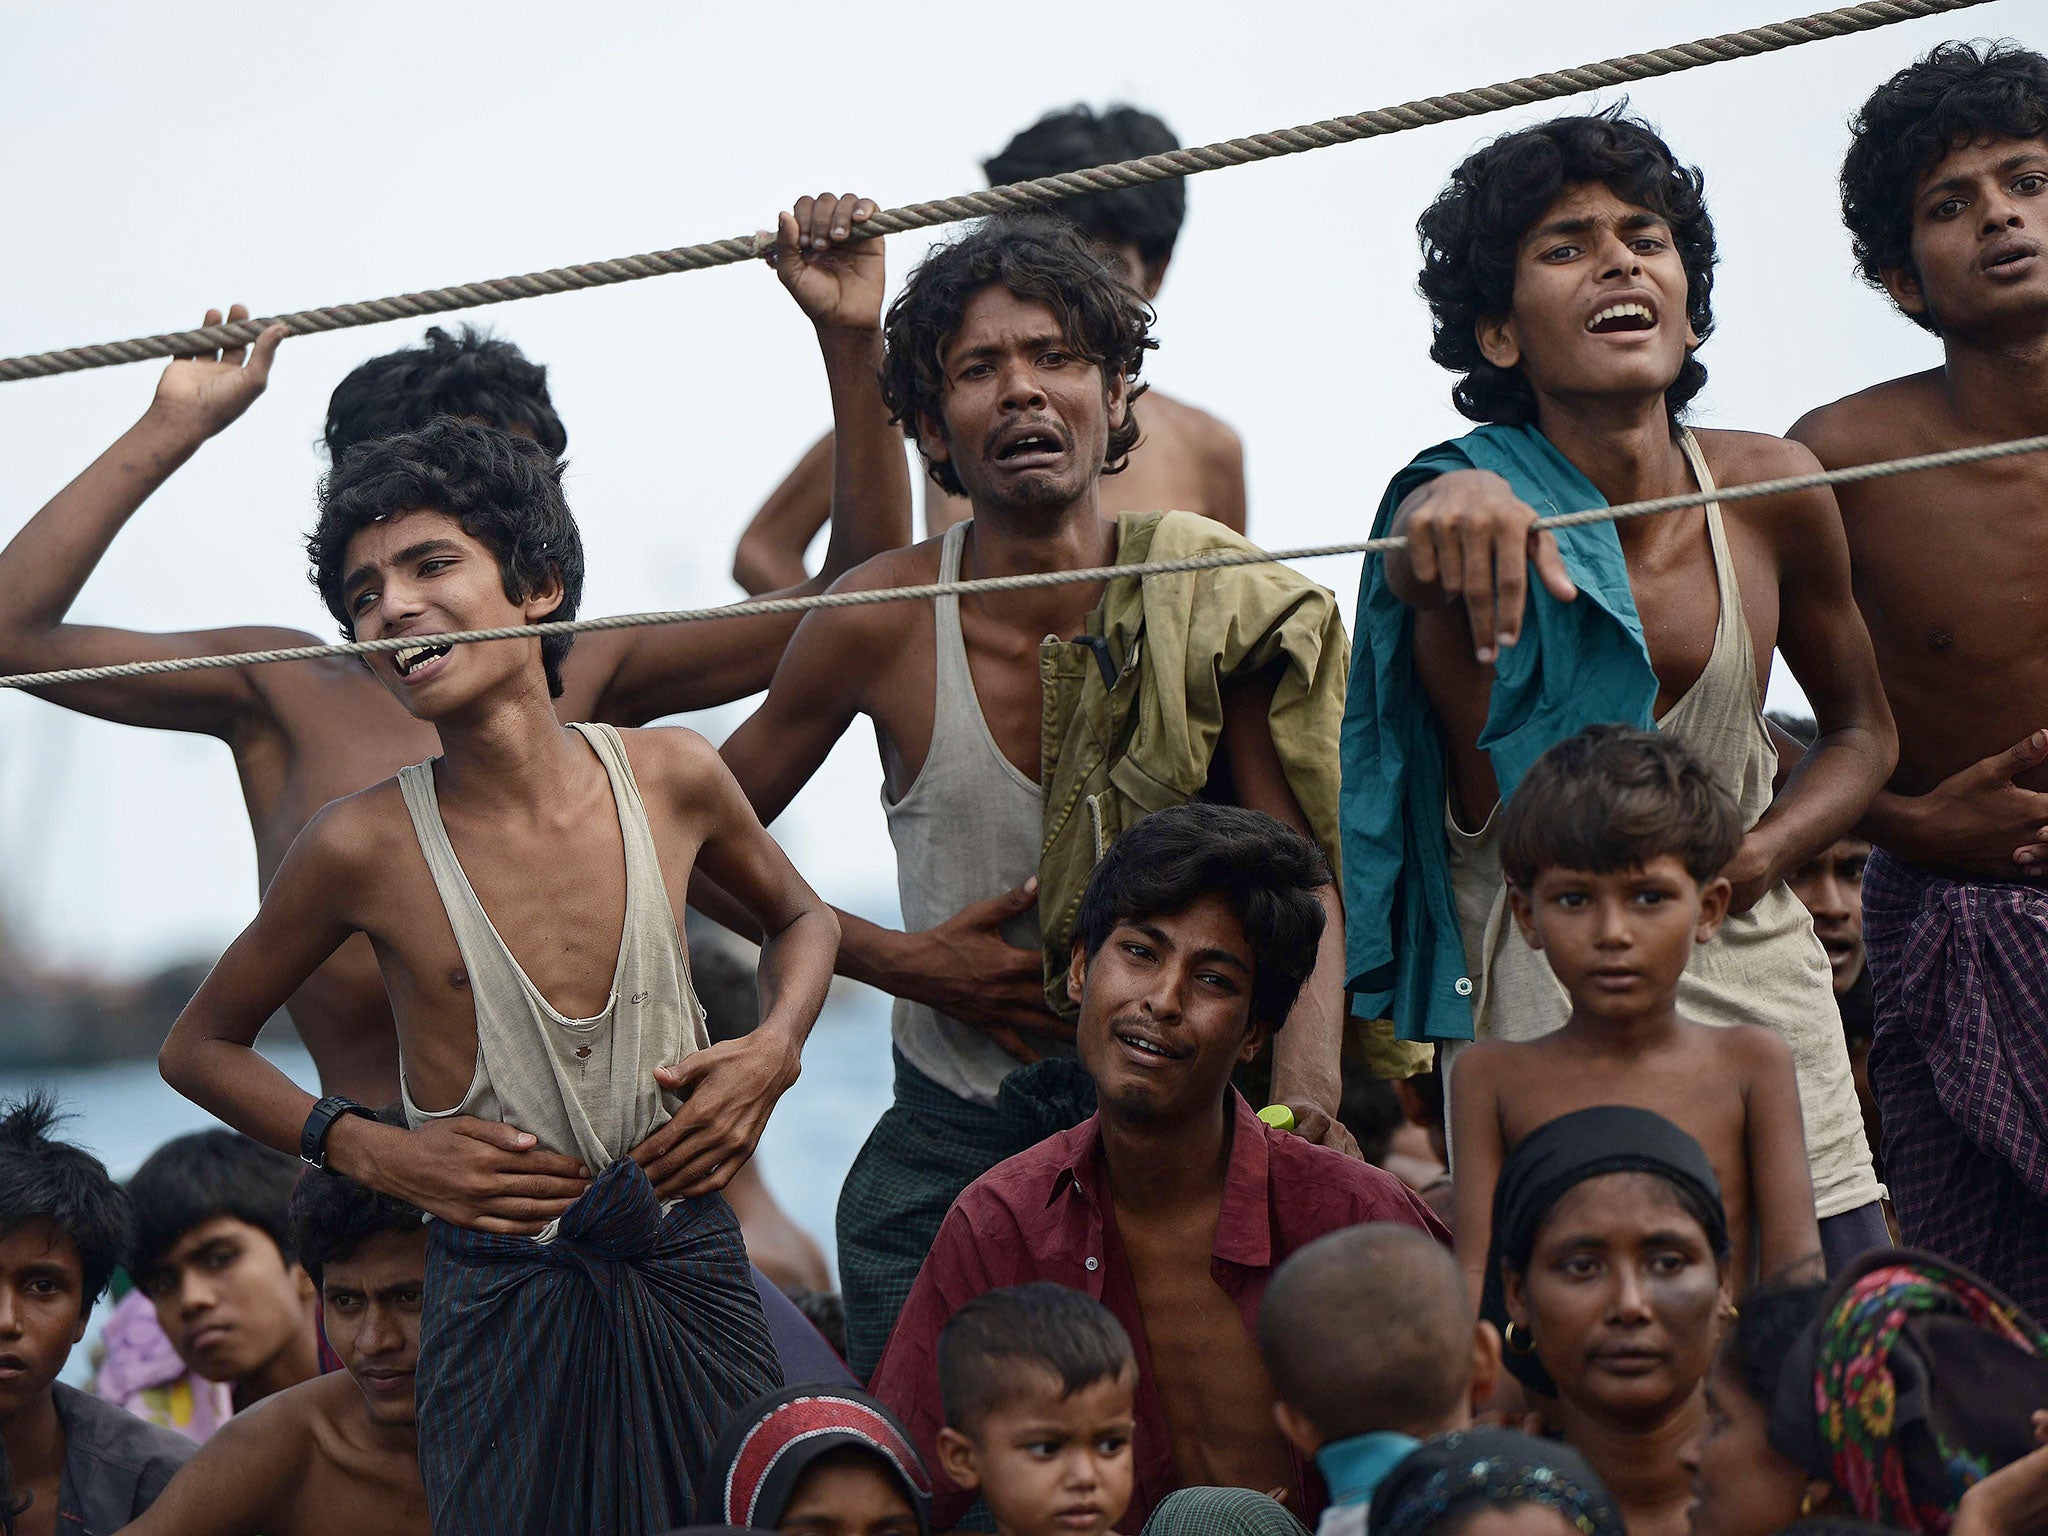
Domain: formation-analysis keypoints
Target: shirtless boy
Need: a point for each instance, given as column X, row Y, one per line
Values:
column 1186, row 459
column 1613, row 849
column 338, row 1455
column 1568, row 268
column 311, row 732
column 1945, row 191
column 1012, row 357
column 520, row 893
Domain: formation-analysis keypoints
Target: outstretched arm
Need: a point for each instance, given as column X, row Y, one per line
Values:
column 1823, row 640
column 46, row 564
column 472, row 1172
column 643, row 674
column 1471, row 540
column 239, row 1483
column 729, row 1089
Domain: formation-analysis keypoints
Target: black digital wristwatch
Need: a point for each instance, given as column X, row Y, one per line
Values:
column 313, row 1139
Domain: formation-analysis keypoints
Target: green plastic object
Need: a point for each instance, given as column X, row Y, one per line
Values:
column 1278, row 1116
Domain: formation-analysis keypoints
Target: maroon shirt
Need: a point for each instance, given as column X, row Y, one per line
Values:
column 1046, row 1215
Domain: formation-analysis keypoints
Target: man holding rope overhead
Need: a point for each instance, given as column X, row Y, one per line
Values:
column 1187, row 459
column 1012, row 359
column 306, row 734
column 590, row 1321
column 1568, row 269
column 1945, row 191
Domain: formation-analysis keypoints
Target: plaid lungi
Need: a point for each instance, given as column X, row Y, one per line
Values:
column 927, row 1147
column 580, row 1384
column 1959, row 1066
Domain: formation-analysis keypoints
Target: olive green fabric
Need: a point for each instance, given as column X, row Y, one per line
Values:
column 1115, row 751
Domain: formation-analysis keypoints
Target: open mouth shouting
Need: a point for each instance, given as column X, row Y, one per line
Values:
column 1027, row 446
column 415, row 660
column 1623, row 316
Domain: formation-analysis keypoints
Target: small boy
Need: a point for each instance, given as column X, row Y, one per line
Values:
column 74, row 1463
column 213, row 1253
column 1368, row 1336
column 1613, row 849
column 1039, row 1383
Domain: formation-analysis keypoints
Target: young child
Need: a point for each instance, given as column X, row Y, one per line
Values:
column 213, row 1253
column 1613, row 849
column 73, row 1462
column 818, row 1461
column 1039, row 1382
column 591, row 1320
column 1368, row 1336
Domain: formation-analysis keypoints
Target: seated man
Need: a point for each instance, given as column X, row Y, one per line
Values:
column 1368, row 1335
column 1187, row 459
column 1568, row 268
column 1174, row 1203
column 521, row 892
column 1945, row 192
column 338, row 1454
column 1022, row 732
column 72, row 1463
column 213, row 1253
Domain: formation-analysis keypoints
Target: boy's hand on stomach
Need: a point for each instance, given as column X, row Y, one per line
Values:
column 485, row 1175
column 727, row 1092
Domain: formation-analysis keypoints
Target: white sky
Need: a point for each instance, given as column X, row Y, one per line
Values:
column 165, row 158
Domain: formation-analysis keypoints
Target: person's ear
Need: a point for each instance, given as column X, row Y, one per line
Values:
column 1295, row 1425
column 1511, row 1293
column 958, row 1459
column 1255, row 1035
column 1077, row 972
column 931, row 439
column 1714, row 898
column 1903, row 284
column 1497, row 343
column 1524, row 909
column 303, row 1278
column 1153, row 278
column 545, row 597
column 1485, row 1364
column 1116, row 392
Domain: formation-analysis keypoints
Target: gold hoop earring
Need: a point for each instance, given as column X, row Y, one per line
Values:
column 1527, row 1346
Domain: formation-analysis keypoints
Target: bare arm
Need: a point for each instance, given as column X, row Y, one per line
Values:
column 1224, row 475
column 1307, row 1075
column 1822, row 637
column 771, row 552
column 46, row 564
column 472, row 1172
column 1477, row 1148
column 240, row 1481
column 1774, row 1141
column 838, row 283
column 1471, row 540
column 729, row 1089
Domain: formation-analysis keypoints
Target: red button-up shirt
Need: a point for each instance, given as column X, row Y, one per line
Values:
column 1046, row 1215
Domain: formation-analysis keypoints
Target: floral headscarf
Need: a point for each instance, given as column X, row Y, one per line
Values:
column 1915, row 1382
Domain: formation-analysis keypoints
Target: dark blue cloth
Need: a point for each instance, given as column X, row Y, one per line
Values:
column 580, row 1384
column 1579, row 663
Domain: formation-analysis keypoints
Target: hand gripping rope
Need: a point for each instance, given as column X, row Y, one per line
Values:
column 1019, row 195
column 1946, row 459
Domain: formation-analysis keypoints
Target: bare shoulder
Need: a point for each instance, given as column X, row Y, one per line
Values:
column 1209, row 438
column 1874, row 423
column 264, row 1444
column 358, row 833
column 875, row 625
column 1752, row 1050
column 1791, row 520
column 1742, row 458
column 673, row 756
column 1480, row 1064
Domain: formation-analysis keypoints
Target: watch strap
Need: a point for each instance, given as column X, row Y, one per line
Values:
column 313, row 1139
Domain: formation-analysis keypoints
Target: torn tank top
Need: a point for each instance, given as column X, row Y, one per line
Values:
column 583, row 1087
column 968, row 828
column 1765, row 967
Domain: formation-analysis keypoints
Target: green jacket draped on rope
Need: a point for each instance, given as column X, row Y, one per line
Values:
column 1133, row 711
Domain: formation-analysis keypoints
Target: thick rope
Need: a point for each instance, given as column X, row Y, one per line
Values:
column 1945, row 459
column 1019, row 195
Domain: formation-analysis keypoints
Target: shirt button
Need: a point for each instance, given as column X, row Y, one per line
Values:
column 1463, row 986
column 1090, row 1264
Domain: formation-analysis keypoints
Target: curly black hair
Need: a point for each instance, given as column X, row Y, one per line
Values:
column 44, row 1179
column 471, row 374
column 332, row 1216
column 1960, row 93
column 1148, row 217
column 505, row 491
column 1472, row 234
column 1039, row 257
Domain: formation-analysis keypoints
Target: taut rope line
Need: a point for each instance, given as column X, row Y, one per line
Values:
column 1945, row 459
column 1023, row 194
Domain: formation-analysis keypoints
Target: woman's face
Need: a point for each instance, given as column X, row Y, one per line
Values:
column 1740, row 1485
column 1621, row 1298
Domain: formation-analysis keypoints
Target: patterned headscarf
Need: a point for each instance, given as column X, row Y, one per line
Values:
column 1491, row 1467
column 763, row 1455
column 1916, row 1381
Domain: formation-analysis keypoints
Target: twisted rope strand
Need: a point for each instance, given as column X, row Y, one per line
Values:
column 1947, row 458
column 1019, row 195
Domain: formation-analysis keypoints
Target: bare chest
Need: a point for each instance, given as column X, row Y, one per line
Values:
column 347, row 1490
column 1002, row 666
column 1678, row 600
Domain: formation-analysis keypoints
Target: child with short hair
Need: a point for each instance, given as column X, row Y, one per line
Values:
column 1613, row 848
column 1039, row 1383
column 1369, row 1338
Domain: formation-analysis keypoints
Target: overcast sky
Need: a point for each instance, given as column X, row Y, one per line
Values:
column 168, row 158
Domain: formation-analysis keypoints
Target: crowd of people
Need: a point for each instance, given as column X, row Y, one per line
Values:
column 1433, row 1080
